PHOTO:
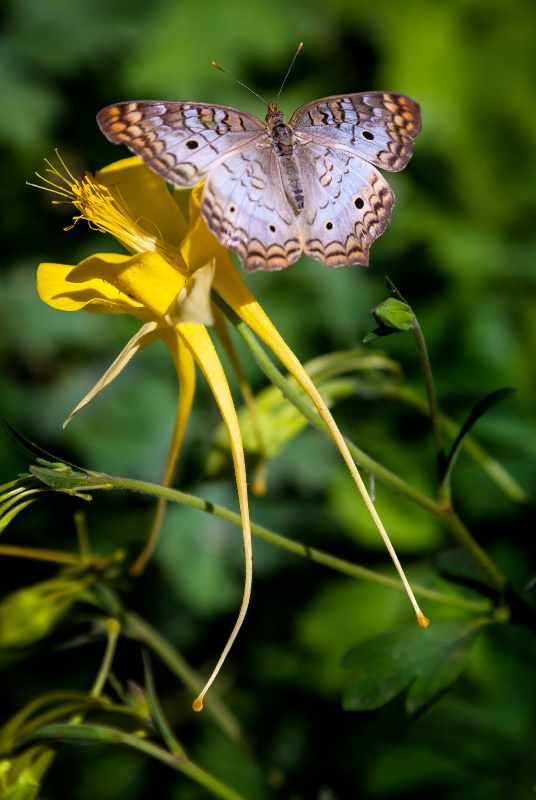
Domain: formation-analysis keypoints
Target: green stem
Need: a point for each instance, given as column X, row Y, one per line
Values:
column 40, row 554
column 435, row 417
column 82, row 536
column 442, row 511
column 494, row 470
column 141, row 630
column 318, row 556
column 87, row 732
column 112, row 630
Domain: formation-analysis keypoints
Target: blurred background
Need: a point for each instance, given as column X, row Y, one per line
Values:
column 461, row 248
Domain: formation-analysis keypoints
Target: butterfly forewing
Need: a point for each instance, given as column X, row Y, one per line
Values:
column 377, row 126
column 179, row 141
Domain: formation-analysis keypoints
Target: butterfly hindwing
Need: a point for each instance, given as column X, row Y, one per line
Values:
column 246, row 208
column 348, row 205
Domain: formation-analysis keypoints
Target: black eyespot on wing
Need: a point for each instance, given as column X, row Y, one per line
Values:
column 368, row 135
column 329, row 226
column 232, row 209
column 192, row 144
column 272, row 228
column 359, row 202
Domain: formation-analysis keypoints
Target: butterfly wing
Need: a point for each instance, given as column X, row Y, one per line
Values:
column 377, row 126
column 347, row 205
column 181, row 142
column 245, row 206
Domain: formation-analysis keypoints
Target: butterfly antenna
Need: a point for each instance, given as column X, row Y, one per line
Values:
column 221, row 69
column 288, row 71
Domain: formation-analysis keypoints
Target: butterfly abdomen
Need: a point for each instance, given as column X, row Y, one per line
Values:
column 284, row 142
column 292, row 181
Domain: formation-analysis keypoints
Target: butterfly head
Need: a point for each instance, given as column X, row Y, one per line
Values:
column 274, row 116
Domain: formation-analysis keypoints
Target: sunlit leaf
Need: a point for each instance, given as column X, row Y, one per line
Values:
column 337, row 375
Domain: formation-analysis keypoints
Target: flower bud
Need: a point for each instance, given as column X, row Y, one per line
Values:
column 392, row 316
column 29, row 614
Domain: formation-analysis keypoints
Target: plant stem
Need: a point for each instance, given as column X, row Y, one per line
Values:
column 112, row 629
column 497, row 473
column 443, row 511
column 298, row 548
column 435, row 417
column 88, row 732
column 144, row 632
column 40, row 554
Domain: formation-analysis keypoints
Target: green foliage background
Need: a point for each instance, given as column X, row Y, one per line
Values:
column 461, row 248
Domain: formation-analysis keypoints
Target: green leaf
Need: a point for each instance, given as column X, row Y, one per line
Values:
column 157, row 714
column 478, row 411
column 42, row 710
column 458, row 567
column 6, row 516
column 439, row 673
column 427, row 660
column 30, row 449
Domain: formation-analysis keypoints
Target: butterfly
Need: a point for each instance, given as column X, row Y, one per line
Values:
column 274, row 190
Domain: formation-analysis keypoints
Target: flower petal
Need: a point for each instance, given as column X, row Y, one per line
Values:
column 144, row 284
column 193, row 302
column 200, row 344
column 147, row 198
column 145, row 277
column 55, row 287
column 148, row 334
column 185, row 367
column 200, row 245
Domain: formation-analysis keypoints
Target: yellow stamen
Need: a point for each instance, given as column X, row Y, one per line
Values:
column 105, row 211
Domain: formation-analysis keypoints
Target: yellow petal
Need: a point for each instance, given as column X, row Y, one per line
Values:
column 200, row 245
column 144, row 284
column 148, row 334
column 185, row 367
column 200, row 344
column 147, row 198
column 193, row 302
column 232, row 288
column 145, row 277
column 56, row 288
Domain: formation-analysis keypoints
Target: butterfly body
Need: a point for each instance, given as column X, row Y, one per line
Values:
column 280, row 133
column 275, row 189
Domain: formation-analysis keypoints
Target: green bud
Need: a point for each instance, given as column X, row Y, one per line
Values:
column 29, row 614
column 22, row 775
column 392, row 316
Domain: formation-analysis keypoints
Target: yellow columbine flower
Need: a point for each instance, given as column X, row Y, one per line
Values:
column 166, row 282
